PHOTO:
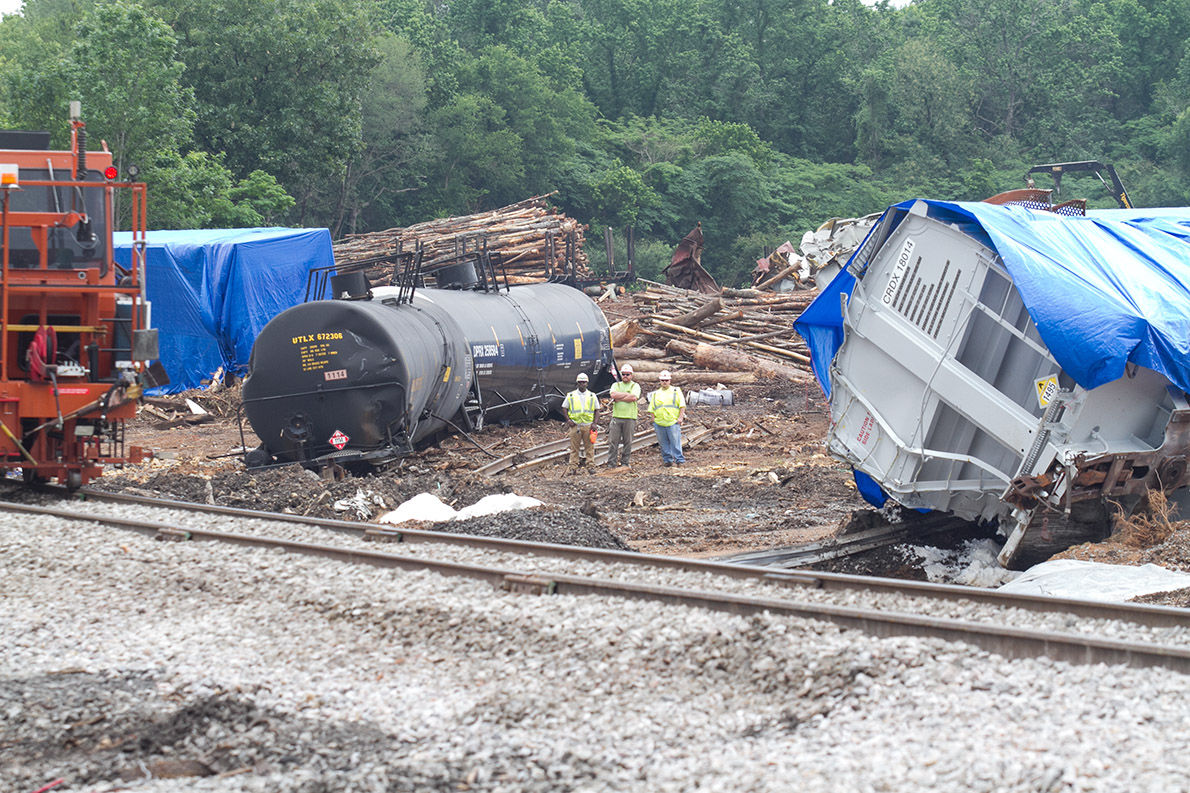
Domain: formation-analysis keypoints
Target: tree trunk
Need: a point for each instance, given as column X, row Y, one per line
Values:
column 721, row 359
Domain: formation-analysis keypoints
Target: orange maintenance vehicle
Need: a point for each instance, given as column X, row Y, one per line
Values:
column 75, row 348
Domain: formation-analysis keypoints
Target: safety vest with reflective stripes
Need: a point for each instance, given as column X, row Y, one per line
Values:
column 581, row 406
column 625, row 409
column 665, row 404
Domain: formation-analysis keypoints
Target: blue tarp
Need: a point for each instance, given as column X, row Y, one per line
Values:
column 213, row 290
column 1104, row 290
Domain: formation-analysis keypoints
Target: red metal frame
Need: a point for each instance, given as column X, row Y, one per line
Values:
column 71, row 427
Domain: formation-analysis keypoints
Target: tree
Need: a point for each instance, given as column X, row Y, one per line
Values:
column 394, row 157
column 278, row 85
column 197, row 191
column 123, row 67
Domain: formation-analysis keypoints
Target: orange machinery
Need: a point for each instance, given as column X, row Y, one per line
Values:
column 74, row 347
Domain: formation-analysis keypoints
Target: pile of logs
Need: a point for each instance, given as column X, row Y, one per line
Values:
column 531, row 238
column 731, row 338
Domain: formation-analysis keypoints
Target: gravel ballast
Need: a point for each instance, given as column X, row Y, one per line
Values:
column 153, row 666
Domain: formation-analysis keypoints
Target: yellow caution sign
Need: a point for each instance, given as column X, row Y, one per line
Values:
column 1047, row 389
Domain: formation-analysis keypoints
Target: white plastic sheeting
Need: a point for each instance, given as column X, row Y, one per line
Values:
column 428, row 507
column 1071, row 578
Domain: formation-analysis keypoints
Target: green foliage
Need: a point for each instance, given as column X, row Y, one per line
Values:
column 620, row 196
column 197, row 191
column 759, row 118
column 138, row 118
column 278, row 85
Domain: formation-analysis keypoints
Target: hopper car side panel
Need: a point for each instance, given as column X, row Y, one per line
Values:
column 968, row 379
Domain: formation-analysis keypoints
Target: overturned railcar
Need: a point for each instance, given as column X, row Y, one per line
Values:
column 1011, row 365
column 361, row 381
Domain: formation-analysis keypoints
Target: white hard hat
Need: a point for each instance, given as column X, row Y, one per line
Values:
column 626, row 369
column 663, row 375
column 582, row 377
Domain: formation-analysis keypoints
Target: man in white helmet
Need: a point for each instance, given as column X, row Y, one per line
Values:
column 581, row 406
column 625, row 396
column 668, row 407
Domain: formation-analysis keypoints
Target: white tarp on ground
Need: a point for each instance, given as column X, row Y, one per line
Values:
column 1071, row 578
column 428, row 507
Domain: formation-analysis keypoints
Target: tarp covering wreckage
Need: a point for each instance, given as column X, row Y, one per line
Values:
column 1010, row 364
column 212, row 290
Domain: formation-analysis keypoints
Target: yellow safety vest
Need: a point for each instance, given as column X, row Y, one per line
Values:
column 665, row 405
column 581, row 406
column 625, row 410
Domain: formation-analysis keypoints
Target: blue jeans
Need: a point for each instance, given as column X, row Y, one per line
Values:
column 670, row 440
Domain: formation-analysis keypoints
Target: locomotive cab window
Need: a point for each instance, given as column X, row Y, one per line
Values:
column 80, row 246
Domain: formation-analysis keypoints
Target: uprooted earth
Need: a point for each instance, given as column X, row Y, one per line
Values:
column 757, row 478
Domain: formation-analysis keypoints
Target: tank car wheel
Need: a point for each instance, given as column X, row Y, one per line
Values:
column 258, row 458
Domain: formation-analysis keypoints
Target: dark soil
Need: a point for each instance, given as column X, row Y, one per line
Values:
column 761, row 480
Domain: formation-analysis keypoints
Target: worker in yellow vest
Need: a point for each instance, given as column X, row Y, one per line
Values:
column 581, row 406
column 625, row 396
column 668, row 407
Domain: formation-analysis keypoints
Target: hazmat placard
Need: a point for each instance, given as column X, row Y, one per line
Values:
column 1047, row 389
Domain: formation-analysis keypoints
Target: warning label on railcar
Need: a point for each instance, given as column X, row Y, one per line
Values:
column 864, row 436
column 1047, row 389
column 316, row 352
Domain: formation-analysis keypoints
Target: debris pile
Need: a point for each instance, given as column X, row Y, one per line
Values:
column 195, row 406
column 731, row 338
column 821, row 255
column 534, row 241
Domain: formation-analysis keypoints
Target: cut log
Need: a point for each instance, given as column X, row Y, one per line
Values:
column 624, row 332
column 705, row 311
column 685, row 377
column 710, row 337
column 642, row 365
column 642, row 353
column 755, row 337
column 707, row 356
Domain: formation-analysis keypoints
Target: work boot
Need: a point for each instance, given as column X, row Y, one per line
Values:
column 667, row 463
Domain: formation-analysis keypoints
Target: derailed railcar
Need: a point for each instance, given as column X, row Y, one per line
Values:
column 1011, row 365
column 365, row 379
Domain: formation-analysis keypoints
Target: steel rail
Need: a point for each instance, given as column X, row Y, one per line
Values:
column 1005, row 641
column 796, row 556
column 1140, row 614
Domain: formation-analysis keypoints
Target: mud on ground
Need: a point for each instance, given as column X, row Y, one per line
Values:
column 762, row 479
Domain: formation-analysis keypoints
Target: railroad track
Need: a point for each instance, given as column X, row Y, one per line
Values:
column 1147, row 636
column 794, row 556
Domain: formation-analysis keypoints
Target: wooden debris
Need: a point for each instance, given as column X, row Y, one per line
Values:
column 743, row 330
column 530, row 237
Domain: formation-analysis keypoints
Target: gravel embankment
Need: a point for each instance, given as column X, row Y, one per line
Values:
column 557, row 526
column 126, row 659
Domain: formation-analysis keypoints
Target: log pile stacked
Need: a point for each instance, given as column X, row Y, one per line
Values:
column 734, row 337
column 519, row 233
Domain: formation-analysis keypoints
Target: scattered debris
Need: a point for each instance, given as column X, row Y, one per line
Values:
column 685, row 269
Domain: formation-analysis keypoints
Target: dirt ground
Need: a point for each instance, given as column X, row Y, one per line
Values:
column 760, row 480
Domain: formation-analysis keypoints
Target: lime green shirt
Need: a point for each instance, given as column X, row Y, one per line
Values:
column 625, row 409
column 665, row 404
column 581, row 406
